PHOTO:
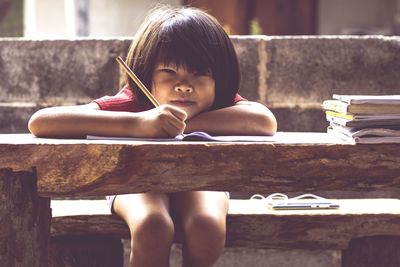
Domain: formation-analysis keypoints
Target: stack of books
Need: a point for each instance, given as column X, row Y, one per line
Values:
column 364, row 118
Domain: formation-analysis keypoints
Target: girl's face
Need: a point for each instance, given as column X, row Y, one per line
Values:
column 193, row 92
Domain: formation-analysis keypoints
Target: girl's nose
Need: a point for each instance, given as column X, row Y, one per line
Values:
column 183, row 89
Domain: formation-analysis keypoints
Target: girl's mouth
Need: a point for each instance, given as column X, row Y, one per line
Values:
column 182, row 103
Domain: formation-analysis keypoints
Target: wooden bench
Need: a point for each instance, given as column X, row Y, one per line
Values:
column 252, row 224
column 298, row 162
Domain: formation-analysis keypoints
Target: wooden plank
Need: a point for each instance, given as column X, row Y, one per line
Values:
column 232, row 14
column 286, row 17
column 299, row 162
column 251, row 224
column 24, row 219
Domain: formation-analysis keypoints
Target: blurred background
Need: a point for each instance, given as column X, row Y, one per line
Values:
column 104, row 18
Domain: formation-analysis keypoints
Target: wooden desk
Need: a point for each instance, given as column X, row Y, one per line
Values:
column 297, row 162
column 302, row 162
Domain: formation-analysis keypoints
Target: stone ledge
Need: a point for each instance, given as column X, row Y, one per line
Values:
column 275, row 70
column 14, row 119
column 50, row 72
column 310, row 69
column 300, row 119
column 291, row 75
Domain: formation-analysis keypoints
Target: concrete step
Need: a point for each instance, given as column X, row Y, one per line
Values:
column 275, row 70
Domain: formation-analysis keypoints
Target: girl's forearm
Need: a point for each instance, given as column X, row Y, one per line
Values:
column 69, row 122
column 247, row 118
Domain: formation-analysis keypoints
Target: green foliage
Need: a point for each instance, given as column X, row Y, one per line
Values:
column 255, row 27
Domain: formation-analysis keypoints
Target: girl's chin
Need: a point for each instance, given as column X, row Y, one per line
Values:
column 189, row 115
column 189, row 111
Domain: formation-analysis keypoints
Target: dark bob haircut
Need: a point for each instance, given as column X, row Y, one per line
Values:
column 189, row 38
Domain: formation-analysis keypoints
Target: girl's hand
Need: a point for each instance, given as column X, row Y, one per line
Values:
column 163, row 121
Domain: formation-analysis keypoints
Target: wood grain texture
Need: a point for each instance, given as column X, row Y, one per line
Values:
column 93, row 167
column 251, row 224
column 24, row 219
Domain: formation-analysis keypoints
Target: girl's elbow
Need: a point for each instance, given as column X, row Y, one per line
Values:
column 36, row 124
column 33, row 125
column 269, row 124
column 273, row 125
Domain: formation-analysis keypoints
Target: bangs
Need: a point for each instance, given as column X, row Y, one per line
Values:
column 183, row 56
column 186, row 44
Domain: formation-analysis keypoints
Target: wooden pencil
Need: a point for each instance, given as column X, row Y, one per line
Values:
column 141, row 86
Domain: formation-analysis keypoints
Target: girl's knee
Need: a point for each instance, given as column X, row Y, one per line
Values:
column 206, row 230
column 152, row 229
column 204, row 239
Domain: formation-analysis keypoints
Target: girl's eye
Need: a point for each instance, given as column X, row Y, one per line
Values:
column 168, row 71
column 202, row 73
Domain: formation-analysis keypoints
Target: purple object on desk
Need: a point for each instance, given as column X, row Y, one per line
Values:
column 198, row 136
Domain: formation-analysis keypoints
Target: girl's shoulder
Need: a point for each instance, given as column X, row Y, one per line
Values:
column 238, row 98
column 124, row 100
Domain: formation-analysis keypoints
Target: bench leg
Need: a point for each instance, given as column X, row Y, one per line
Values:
column 24, row 220
column 372, row 251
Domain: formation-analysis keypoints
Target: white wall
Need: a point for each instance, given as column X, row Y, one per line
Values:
column 112, row 18
column 121, row 17
column 347, row 16
column 44, row 18
column 58, row 18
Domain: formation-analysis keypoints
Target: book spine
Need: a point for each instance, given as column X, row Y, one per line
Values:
column 343, row 98
column 337, row 120
column 340, row 135
column 340, row 115
column 336, row 105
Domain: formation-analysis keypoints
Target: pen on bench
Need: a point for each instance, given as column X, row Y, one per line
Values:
column 141, row 86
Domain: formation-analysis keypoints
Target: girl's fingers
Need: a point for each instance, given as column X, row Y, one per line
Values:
column 177, row 112
column 169, row 120
column 173, row 125
column 165, row 121
column 170, row 130
column 177, row 127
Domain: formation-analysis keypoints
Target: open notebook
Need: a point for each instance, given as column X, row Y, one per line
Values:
column 194, row 136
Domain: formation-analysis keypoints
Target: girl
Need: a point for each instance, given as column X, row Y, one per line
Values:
column 189, row 64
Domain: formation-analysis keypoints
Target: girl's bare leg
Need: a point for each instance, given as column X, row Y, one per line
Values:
column 151, row 227
column 202, row 215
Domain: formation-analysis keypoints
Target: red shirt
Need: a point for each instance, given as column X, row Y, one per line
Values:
column 125, row 100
